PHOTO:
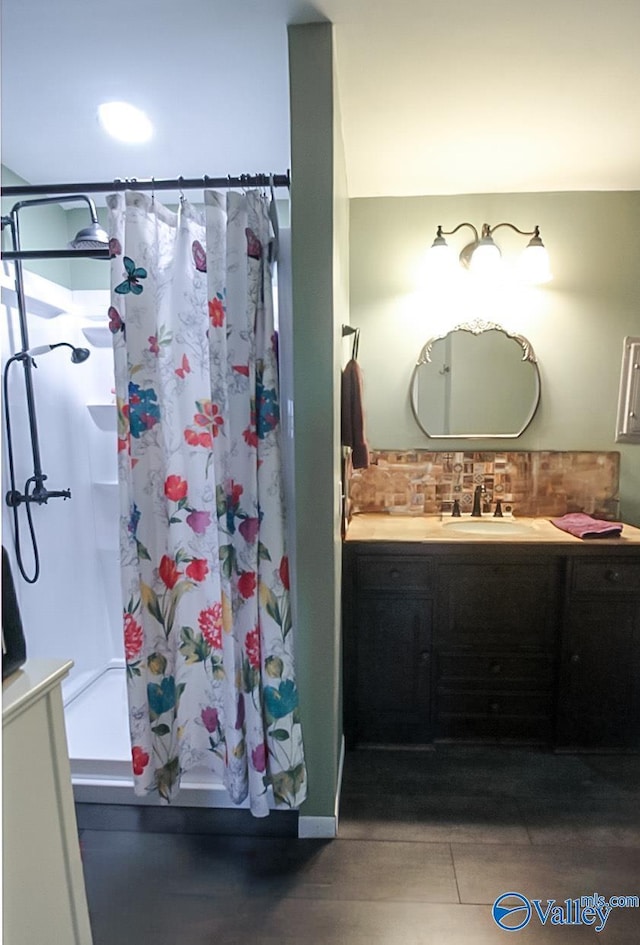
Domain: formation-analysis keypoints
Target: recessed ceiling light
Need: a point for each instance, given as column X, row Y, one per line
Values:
column 125, row 122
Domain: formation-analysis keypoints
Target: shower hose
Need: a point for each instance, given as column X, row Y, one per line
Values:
column 31, row 482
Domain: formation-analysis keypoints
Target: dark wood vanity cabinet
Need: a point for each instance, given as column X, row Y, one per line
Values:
column 599, row 664
column 497, row 643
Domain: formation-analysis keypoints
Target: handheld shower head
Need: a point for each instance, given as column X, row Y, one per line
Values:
column 78, row 355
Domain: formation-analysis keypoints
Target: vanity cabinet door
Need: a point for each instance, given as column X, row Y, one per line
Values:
column 599, row 679
column 494, row 647
column 393, row 659
column 387, row 619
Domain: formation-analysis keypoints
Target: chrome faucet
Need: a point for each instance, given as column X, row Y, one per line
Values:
column 476, row 511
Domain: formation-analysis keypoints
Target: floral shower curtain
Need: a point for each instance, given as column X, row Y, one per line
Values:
column 207, row 620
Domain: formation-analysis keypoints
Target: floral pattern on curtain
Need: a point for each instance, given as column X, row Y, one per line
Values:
column 208, row 633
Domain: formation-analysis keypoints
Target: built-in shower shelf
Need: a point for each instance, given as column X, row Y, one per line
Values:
column 104, row 416
column 98, row 335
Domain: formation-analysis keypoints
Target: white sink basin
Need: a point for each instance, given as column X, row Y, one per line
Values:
column 486, row 526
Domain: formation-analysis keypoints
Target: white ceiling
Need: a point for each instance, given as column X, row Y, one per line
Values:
column 438, row 96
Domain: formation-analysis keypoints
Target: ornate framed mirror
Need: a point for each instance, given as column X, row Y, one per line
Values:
column 478, row 381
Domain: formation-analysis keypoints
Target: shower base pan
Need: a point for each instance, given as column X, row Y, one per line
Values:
column 100, row 751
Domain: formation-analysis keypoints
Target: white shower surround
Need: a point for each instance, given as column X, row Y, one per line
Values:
column 79, row 587
column 70, row 595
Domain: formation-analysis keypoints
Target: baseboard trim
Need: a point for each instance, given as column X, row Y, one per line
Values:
column 219, row 821
column 324, row 828
column 339, row 784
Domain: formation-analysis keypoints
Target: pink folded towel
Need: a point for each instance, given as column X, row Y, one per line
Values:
column 583, row 526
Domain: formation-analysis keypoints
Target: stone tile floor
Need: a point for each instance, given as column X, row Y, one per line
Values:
column 427, row 841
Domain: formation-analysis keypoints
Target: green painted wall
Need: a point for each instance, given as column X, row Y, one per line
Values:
column 319, row 226
column 341, row 281
column 576, row 323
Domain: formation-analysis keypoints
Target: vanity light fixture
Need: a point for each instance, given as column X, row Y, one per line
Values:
column 483, row 256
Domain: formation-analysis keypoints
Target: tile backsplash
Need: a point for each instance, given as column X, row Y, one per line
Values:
column 534, row 484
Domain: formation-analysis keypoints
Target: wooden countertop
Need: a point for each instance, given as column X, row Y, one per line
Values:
column 431, row 528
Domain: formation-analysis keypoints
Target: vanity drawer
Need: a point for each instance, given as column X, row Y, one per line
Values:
column 495, row 715
column 605, row 576
column 489, row 703
column 468, row 670
column 392, row 573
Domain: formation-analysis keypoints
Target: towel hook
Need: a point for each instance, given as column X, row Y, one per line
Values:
column 348, row 330
column 356, row 345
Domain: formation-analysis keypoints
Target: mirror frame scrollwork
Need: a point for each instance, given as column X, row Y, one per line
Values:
column 476, row 327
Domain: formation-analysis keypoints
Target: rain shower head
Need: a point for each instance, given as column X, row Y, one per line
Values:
column 91, row 237
column 92, row 241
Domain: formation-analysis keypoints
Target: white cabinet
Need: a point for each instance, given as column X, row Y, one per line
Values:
column 44, row 898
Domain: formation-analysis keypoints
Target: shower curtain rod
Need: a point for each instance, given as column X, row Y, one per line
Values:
column 178, row 183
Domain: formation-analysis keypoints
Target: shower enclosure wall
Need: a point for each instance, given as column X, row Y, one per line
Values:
column 74, row 610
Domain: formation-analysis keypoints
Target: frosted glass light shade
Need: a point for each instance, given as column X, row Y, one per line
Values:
column 125, row 122
column 486, row 259
column 533, row 265
column 440, row 259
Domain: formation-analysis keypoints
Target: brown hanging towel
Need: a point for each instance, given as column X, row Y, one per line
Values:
column 353, row 416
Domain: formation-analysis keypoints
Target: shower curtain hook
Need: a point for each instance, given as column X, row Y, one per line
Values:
column 182, row 198
column 153, row 191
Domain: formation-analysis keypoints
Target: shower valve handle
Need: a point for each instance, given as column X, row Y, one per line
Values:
column 58, row 494
column 41, row 496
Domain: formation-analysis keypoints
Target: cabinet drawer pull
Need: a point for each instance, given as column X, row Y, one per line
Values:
column 384, row 572
column 494, row 707
column 613, row 577
column 575, row 657
column 424, row 656
column 496, row 668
